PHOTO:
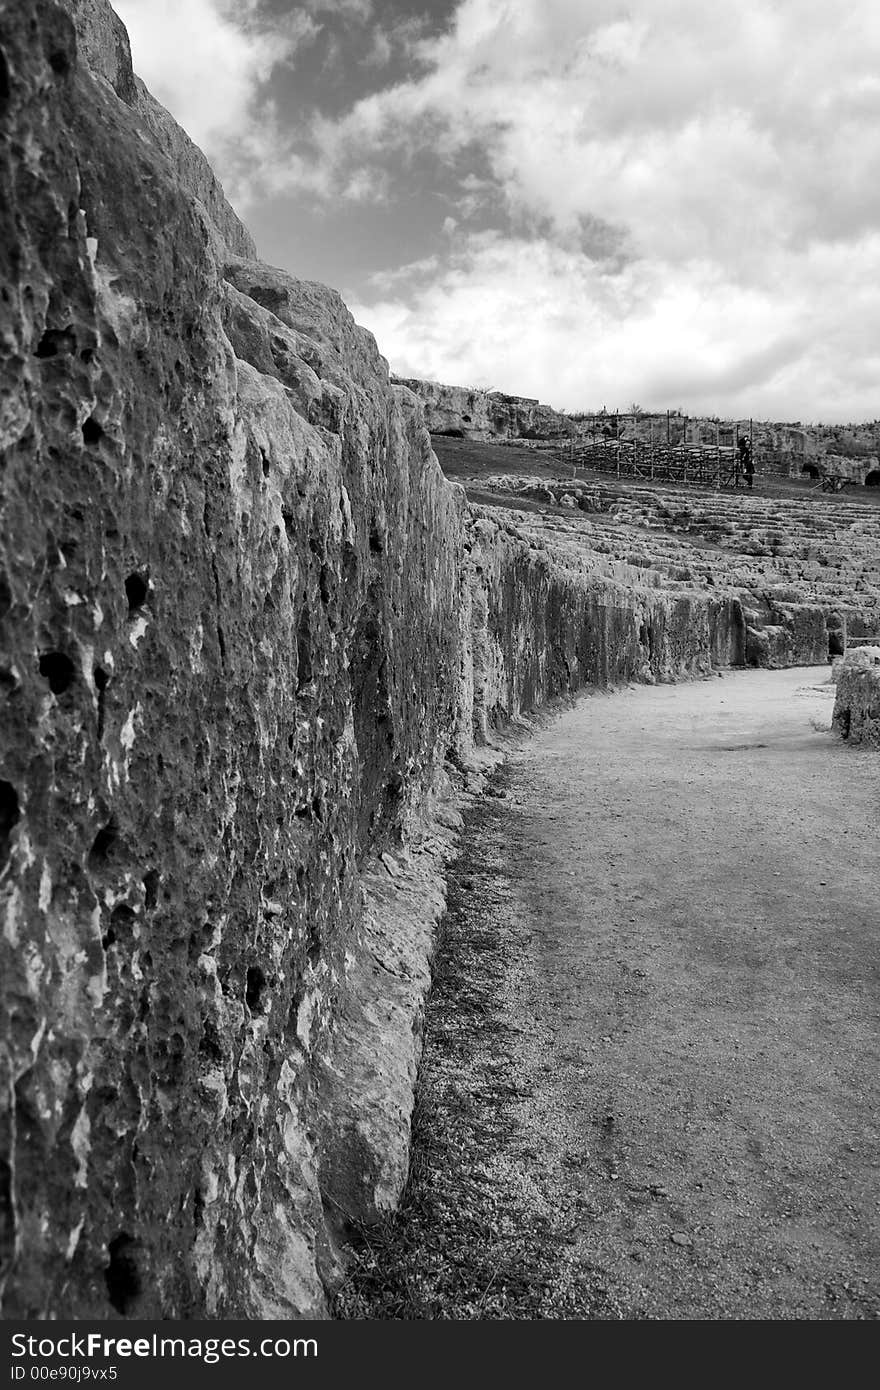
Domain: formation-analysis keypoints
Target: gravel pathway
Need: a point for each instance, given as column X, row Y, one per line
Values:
column 651, row 1077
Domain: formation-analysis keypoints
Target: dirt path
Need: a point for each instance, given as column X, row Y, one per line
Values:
column 652, row 1070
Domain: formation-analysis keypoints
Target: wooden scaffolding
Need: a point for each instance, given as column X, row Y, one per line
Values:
column 659, row 447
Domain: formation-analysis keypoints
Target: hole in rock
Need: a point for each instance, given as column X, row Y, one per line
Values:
column 57, row 342
column 375, row 542
column 92, row 432
column 59, row 671
column 268, row 296
column 122, row 1275
column 136, row 589
column 873, row 478
column 10, row 812
column 151, row 889
column 102, row 680
column 103, row 844
column 303, row 650
column 87, row 355
column 59, row 62
column 844, row 719
column 121, row 919
column 255, row 984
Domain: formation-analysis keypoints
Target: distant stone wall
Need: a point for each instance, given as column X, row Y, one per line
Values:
column 851, row 451
column 486, row 415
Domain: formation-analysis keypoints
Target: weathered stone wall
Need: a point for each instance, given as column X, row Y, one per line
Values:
column 245, row 621
column 103, row 46
column 544, row 621
column 476, row 414
column 230, row 658
column 857, row 700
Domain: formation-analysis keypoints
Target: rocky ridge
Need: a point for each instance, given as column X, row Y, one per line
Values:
column 850, row 451
column 472, row 413
column 253, row 644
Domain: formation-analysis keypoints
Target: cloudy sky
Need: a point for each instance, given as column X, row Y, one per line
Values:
column 674, row 203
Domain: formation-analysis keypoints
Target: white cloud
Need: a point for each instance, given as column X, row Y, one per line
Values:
column 686, row 197
column 208, row 62
column 536, row 319
column 733, row 148
column 724, row 124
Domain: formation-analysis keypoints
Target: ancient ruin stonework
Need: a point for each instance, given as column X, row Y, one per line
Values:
column 222, row 584
column 857, row 699
column 848, row 451
column 251, row 639
column 477, row 414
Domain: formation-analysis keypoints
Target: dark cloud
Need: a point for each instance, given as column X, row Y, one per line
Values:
column 657, row 198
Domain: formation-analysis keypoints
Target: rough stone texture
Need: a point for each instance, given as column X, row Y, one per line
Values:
column 801, row 574
column 857, row 700
column 859, row 658
column 475, row 414
column 244, row 620
column 103, row 45
column 221, row 587
column 545, row 619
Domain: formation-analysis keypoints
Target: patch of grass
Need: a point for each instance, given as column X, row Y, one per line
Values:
column 473, row 1237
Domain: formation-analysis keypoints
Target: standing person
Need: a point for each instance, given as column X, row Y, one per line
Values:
column 749, row 464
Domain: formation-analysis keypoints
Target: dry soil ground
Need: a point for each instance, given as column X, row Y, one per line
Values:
column 652, row 1069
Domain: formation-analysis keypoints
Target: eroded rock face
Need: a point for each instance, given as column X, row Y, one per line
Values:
column 103, row 47
column 801, row 574
column 474, row 414
column 222, row 585
column 245, row 622
column 857, row 699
